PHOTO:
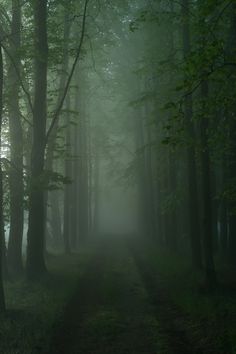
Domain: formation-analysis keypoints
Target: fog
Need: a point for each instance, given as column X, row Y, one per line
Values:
column 118, row 211
column 118, row 171
column 112, row 128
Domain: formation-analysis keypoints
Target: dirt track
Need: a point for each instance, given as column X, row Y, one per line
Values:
column 119, row 308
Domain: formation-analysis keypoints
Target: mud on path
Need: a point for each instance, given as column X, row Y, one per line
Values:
column 110, row 311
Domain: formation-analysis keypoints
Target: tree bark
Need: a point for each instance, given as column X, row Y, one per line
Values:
column 194, row 220
column 232, row 139
column 55, row 219
column 82, row 176
column 206, row 193
column 2, row 297
column 16, row 148
column 35, row 265
column 96, row 194
column 68, row 188
column 62, row 83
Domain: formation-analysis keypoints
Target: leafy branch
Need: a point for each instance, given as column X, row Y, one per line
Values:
column 60, row 105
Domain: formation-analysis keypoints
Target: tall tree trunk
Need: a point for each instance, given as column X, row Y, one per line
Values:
column 206, row 186
column 149, row 175
column 83, row 183
column 223, row 217
column 90, row 174
column 232, row 139
column 55, row 219
column 194, row 220
column 75, row 167
column 62, row 83
column 214, row 208
column 96, row 194
column 159, row 217
column 144, row 226
column 16, row 148
column 83, row 216
column 35, row 265
column 172, row 175
column 2, row 297
column 74, row 196
column 206, row 192
column 68, row 187
column 173, row 227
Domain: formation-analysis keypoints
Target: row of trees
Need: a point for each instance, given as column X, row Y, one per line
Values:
column 187, row 127
column 172, row 115
column 41, row 46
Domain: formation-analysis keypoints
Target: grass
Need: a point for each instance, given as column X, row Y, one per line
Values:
column 119, row 321
column 122, row 320
column 34, row 308
column 216, row 311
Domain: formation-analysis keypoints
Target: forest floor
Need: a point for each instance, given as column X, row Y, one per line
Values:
column 117, row 297
column 110, row 312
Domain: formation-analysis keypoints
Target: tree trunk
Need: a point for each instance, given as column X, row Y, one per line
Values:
column 206, row 193
column 83, row 216
column 62, row 83
column 97, row 168
column 75, row 164
column 2, row 297
column 144, row 207
column 149, row 175
column 90, row 174
column 173, row 227
column 223, row 228
column 68, row 188
column 232, row 139
column 35, row 265
column 194, row 222
column 16, row 149
column 55, row 218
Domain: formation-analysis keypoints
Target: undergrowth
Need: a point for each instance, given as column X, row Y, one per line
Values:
column 185, row 288
column 33, row 308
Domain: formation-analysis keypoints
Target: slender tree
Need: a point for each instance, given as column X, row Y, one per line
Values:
column 16, row 146
column 2, row 297
column 68, row 188
column 231, row 52
column 35, row 264
column 194, row 221
column 206, row 164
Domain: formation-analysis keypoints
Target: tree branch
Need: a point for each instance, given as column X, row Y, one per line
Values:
column 208, row 74
column 60, row 105
column 19, row 76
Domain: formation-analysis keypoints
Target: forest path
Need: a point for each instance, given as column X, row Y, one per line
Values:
column 110, row 312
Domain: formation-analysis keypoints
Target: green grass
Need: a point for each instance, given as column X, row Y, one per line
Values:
column 123, row 320
column 33, row 308
column 185, row 289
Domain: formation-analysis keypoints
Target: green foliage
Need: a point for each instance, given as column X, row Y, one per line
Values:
column 186, row 293
column 51, row 180
column 34, row 308
column 137, row 23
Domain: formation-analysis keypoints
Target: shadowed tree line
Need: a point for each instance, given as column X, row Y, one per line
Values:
column 135, row 93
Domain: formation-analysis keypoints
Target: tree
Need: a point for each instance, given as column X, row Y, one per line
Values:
column 2, row 297
column 35, row 265
column 16, row 146
column 191, row 153
column 231, row 52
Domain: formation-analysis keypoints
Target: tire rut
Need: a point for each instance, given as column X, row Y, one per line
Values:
column 85, row 300
column 183, row 334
